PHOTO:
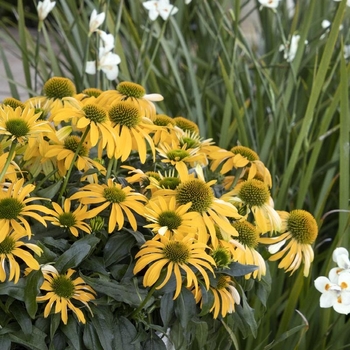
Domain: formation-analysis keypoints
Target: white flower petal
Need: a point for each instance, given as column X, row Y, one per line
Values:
column 328, row 299
column 90, row 67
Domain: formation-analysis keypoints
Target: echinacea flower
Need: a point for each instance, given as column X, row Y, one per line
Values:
column 12, row 248
column 255, row 195
column 96, row 19
column 335, row 294
column 71, row 220
column 22, row 125
column 186, row 124
column 248, row 237
column 169, row 218
column 44, row 8
column 64, row 292
column 174, row 254
column 59, row 87
column 299, row 230
column 15, row 204
column 160, row 8
column 121, row 200
column 225, row 295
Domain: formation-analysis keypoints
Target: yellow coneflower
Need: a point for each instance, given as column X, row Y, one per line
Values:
column 174, row 254
column 71, row 220
column 13, row 102
column 131, row 129
column 249, row 238
column 293, row 246
column 255, row 196
column 186, row 124
column 122, row 200
column 63, row 291
column 15, row 205
column 11, row 248
column 166, row 132
column 58, row 88
column 135, row 94
column 225, row 295
column 22, row 125
column 168, row 218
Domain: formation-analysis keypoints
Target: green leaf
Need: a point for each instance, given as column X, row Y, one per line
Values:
column 118, row 247
column 185, row 307
column 90, row 338
column 166, row 308
column 50, row 191
column 124, row 292
column 72, row 333
column 33, row 283
column 14, row 290
column 201, row 334
column 236, row 269
column 125, row 333
column 153, row 343
column 103, row 324
column 33, row 341
column 5, row 343
column 22, row 318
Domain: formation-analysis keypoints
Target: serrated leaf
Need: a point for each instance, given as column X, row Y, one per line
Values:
column 33, row 283
column 118, row 247
column 185, row 307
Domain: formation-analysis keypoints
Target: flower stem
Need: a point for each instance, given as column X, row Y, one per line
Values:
column 145, row 301
column 8, row 160
column 66, row 179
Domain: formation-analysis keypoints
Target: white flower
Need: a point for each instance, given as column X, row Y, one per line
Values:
column 160, row 8
column 44, row 8
column 336, row 295
column 347, row 2
column 187, row 1
column 107, row 40
column 291, row 48
column 107, row 62
column 341, row 257
column 327, row 26
column 269, row 3
column 95, row 21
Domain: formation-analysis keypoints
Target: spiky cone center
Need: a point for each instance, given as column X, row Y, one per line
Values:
column 177, row 154
column 125, row 113
column 302, row 225
column 223, row 282
column 95, row 113
column 170, row 219
column 186, row 124
column 67, row 219
column 189, row 142
column 130, row 89
column 197, row 192
column 169, row 182
column 254, row 193
column 163, row 120
column 222, row 257
column 63, row 287
column 114, row 194
column 92, row 92
column 13, row 102
column 177, row 252
column 247, row 233
column 10, row 208
column 245, row 152
column 153, row 174
column 17, row 127
column 7, row 245
column 72, row 142
column 58, row 87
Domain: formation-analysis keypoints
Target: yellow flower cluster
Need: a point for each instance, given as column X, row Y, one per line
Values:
column 206, row 207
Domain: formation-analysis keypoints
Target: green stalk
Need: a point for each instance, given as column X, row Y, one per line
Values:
column 66, row 179
column 8, row 160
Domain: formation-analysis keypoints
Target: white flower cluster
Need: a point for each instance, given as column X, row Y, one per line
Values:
column 336, row 288
column 161, row 8
column 107, row 60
